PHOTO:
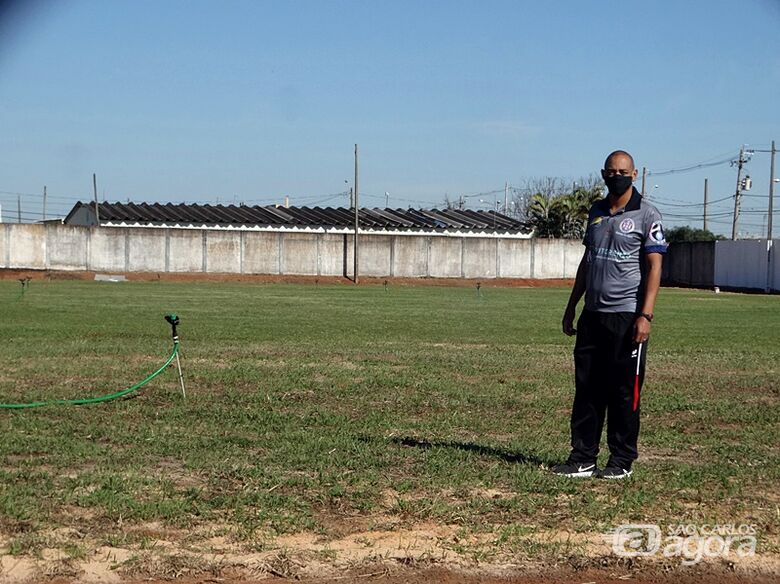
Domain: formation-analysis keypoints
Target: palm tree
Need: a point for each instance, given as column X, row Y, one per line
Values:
column 562, row 215
column 543, row 215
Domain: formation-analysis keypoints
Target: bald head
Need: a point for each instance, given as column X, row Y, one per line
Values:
column 619, row 173
column 619, row 156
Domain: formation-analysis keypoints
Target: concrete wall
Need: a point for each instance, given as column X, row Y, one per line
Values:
column 553, row 258
column 690, row 264
column 108, row 250
column 515, row 258
column 116, row 250
column 749, row 264
column 186, row 250
column 298, row 254
column 480, row 258
column 261, row 252
column 26, row 246
column 573, row 252
column 332, row 255
column 147, row 250
column 410, row 257
column 375, row 255
column 66, row 247
column 223, row 252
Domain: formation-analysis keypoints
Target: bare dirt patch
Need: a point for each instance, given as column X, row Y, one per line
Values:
column 362, row 549
column 8, row 274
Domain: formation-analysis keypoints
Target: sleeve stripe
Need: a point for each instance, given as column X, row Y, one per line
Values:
column 656, row 248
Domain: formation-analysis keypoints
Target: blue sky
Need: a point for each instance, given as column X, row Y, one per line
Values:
column 251, row 101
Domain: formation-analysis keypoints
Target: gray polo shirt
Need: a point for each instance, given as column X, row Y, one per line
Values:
column 617, row 245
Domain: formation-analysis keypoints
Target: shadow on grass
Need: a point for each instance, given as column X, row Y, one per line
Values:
column 502, row 453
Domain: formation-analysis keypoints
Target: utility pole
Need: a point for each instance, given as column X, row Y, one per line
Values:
column 770, row 210
column 705, row 204
column 387, row 200
column 18, row 208
column 506, row 196
column 735, row 223
column 357, row 216
column 44, row 202
column 770, row 251
column 495, row 208
column 94, row 189
column 644, row 179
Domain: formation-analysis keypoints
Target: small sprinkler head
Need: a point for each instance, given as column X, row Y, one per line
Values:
column 173, row 320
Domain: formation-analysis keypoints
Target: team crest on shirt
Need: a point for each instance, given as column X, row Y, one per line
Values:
column 657, row 232
column 627, row 225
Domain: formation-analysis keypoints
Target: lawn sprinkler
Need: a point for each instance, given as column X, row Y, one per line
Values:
column 479, row 290
column 385, row 285
column 173, row 320
column 25, row 282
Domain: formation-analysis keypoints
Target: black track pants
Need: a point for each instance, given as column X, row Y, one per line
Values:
column 605, row 373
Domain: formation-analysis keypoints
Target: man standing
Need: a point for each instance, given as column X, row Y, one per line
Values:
column 619, row 274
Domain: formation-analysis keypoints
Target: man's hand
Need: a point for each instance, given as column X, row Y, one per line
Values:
column 568, row 322
column 641, row 329
column 576, row 293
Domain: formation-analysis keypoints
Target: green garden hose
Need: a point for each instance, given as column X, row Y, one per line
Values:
column 93, row 400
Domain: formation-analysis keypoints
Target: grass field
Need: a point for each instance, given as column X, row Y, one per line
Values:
column 337, row 411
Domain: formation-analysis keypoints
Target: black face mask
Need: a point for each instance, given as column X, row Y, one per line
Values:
column 618, row 184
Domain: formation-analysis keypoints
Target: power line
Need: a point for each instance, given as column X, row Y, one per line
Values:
column 329, row 199
column 670, row 204
column 40, row 196
column 472, row 195
column 695, row 215
column 690, row 167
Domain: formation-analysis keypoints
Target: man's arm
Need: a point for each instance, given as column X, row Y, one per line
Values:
column 576, row 293
column 652, row 284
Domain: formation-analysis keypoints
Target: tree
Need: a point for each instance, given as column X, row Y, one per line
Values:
column 688, row 233
column 544, row 216
column 554, row 210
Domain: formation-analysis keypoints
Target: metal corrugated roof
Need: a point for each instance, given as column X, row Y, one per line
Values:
column 158, row 214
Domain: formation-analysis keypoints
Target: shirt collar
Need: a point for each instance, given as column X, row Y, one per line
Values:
column 634, row 203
